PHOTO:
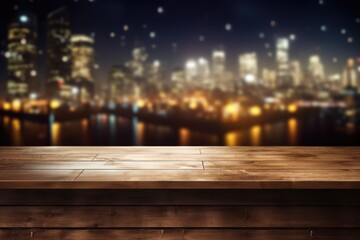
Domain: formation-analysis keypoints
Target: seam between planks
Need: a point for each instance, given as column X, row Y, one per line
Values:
column 79, row 174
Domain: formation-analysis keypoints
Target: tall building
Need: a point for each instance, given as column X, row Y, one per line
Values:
column 316, row 70
column 204, row 73
column 58, row 64
column 191, row 70
column 350, row 75
column 21, row 56
column 83, row 64
column 218, row 63
column 283, row 64
column 269, row 77
column 137, row 64
column 296, row 73
column 120, row 82
column 156, row 73
column 248, row 68
column 219, row 68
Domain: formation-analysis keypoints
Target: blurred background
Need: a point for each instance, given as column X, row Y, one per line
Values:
column 179, row 72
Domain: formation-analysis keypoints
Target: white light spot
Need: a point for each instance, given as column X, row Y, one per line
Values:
column 112, row 34
column 156, row 63
column 343, row 31
column 249, row 78
column 323, row 28
column 267, row 45
column 335, row 60
column 33, row 73
column 65, row 59
column 270, row 54
column 7, row 54
column 321, row 2
column 350, row 40
column 152, row 35
column 292, row 37
column 228, row 27
column 75, row 90
column 24, row 18
column 33, row 96
column 23, row 41
column 201, row 38
column 273, row 23
column 261, row 35
column 160, row 10
column 126, row 28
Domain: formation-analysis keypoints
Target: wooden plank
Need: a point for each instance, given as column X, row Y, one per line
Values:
column 6, row 158
column 38, row 175
column 81, row 165
column 305, row 151
column 271, row 234
column 180, row 197
column 87, row 234
column 97, row 150
column 281, row 165
column 180, row 217
column 181, row 179
column 181, row 234
column 226, row 178
column 229, row 157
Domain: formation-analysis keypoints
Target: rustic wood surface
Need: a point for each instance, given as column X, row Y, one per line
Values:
column 179, row 193
column 180, row 168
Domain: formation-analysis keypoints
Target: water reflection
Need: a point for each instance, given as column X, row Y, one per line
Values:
column 255, row 134
column 102, row 130
column 184, row 134
column 293, row 131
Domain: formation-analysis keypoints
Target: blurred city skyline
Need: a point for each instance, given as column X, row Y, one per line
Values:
column 185, row 30
column 222, row 69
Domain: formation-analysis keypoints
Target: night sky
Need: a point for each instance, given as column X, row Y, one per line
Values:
column 183, row 22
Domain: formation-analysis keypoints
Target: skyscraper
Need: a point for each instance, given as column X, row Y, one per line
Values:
column 248, row 68
column 204, row 73
column 58, row 72
column 137, row 64
column 83, row 62
column 120, row 82
column 218, row 63
column 282, row 59
column 296, row 72
column 316, row 70
column 349, row 75
column 21, row 56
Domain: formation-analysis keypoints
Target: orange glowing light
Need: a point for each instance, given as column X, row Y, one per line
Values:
column 141, row 103
column 193, row 105
column 55, row 104
column 292, row 108
column 16, row 105
column 6, row 106
column 255, row 111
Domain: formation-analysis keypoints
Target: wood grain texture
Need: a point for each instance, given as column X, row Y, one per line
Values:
column 188, row 193
column 181, row 234
column 92, row 165
column 180, row 217
column 180, row 167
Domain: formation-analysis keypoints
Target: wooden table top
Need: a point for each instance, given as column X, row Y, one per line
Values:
column 179, row 168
